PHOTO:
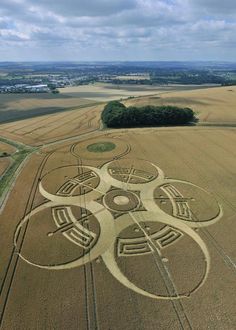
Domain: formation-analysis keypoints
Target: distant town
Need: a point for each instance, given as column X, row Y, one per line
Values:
column 49, row 77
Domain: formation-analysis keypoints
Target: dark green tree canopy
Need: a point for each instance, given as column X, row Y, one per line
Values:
column 116, row 114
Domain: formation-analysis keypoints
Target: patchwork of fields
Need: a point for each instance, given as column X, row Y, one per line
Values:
column 23, row 106
column 122, row 229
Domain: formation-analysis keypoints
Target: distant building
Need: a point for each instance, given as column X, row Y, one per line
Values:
column 38, row 89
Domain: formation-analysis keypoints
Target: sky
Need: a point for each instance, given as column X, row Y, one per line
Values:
column 117, row 30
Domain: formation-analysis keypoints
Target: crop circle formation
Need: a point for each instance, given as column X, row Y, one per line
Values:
column 121, row 194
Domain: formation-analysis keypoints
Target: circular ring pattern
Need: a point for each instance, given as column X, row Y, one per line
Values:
column 117, row 183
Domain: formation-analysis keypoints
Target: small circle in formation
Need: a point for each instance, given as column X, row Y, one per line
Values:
column 121, row 201
column 101, row 147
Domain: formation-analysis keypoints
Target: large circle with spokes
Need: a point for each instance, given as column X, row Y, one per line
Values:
column 137, row 218
column 132, row 174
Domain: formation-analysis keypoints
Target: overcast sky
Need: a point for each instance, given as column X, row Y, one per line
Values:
column 81, row 30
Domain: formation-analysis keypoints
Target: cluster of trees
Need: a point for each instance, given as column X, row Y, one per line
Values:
column 187, row 77
column 116, row 114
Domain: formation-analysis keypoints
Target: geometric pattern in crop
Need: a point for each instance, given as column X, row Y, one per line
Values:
column 123, row 194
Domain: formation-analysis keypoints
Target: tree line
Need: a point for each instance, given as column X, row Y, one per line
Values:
column 117, row 115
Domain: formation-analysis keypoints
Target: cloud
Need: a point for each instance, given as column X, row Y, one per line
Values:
column 88, row 8
column 117, row 29
column 215, row 7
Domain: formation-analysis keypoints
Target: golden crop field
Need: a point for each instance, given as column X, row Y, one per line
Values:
column 5, row 147
column 213, row 105
column 53, row 127
column 49, row 128
column 121, row 229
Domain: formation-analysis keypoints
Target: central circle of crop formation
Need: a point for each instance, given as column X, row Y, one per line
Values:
column 121, row 200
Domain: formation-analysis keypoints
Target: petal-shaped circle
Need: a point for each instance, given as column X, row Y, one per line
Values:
column 123, row 222
column 149, row 181
column 100, row 189
column 106, row 238
column 185, row 201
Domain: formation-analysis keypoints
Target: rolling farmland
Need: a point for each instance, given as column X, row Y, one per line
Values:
column 122, row 229
column 213, row 105
column 22, row 106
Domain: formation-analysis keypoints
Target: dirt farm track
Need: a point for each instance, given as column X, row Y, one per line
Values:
column 119, row 229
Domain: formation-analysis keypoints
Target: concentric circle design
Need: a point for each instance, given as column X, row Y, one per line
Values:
column 100, row 148
column 121, row 201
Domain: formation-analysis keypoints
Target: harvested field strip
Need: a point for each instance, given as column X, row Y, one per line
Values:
column 8, row 117
column 51, row 135
column 72, row 119
column 58, row 140
column 51, row 125
column 57, row 118
column 47, row 124
column 71, row 127
column 11, row 127
column 47, row 119
column 50, row 128
column 55, row 113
